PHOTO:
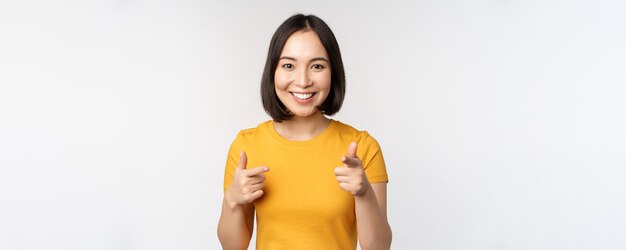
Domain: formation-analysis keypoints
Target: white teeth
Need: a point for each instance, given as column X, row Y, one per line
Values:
column 302, row 96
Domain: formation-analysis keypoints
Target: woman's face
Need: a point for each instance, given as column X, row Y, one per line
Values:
column 302, row 77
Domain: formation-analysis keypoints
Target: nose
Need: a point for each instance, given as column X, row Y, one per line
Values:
column 303, row 80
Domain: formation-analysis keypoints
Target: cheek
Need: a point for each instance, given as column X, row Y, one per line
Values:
column 281, row 80
column 323, row 81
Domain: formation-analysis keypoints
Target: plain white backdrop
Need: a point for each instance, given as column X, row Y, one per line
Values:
column 502, row 122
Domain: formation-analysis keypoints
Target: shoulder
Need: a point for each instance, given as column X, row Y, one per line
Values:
column 361, row 137
column 248, row 132
column 368, row 150
column 252, row 133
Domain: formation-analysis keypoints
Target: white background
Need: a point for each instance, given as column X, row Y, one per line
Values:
column 502, row 122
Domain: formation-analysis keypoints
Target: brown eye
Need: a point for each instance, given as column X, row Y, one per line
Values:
column 318, row 66
column 287, row 66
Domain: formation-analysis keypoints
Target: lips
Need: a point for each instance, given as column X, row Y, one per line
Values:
column 302, row 96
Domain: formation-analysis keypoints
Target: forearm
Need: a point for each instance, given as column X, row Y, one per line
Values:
column 372, row 226
column 232, row 229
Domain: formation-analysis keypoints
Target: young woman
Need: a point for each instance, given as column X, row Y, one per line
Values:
column 314, row 182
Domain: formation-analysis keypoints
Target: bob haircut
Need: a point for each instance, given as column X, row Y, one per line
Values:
column 272, row 105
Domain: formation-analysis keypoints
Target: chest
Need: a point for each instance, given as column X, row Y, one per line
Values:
column 301, row 182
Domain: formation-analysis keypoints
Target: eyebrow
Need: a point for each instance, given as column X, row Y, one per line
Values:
column 313, row 59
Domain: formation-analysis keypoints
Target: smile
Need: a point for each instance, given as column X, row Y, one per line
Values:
column 303, row 96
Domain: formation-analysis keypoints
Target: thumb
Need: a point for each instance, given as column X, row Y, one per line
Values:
column 352, row 150
column 243, row 160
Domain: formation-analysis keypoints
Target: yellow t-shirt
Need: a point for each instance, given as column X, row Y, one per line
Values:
column 303, row 206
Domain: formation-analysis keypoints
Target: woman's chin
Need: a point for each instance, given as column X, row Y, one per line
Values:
column 305, row 113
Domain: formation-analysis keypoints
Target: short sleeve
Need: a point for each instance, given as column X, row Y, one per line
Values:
column 372, row 158
column 232, row 160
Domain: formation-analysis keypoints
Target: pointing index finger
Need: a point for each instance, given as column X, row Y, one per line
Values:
column 254, row 171
column 351, row 161
column 352, row 150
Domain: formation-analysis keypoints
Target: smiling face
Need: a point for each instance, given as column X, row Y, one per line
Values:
column 302, row 77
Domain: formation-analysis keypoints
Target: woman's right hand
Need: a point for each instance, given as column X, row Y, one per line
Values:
column 247, row 184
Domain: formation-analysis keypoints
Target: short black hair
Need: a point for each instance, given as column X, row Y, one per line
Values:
column 299, row 22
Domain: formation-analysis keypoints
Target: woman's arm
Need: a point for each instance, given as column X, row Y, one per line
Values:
column 371, row 217
column 370, row 202
column 236, row 224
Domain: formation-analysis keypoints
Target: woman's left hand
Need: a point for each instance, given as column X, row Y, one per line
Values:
column 351, row 177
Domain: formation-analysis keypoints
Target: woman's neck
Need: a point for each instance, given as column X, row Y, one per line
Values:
column 302, row 128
